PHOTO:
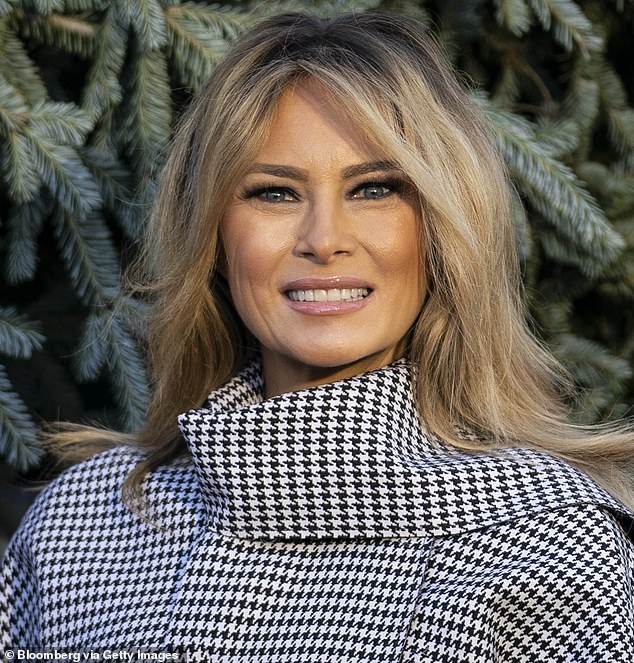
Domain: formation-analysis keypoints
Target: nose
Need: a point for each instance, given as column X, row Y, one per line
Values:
column 325, row 232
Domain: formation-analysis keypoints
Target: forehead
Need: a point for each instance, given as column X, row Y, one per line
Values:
column 309, row 123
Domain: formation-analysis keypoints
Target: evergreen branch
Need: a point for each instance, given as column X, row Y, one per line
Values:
column 333, row 7
column 192, row 59
column 564, row 253
column 127, row 372
column 5, row 7
column 596, row 371
column 223, row 22
column 147, row 20
column 18, row 168
column 115, row 182
column 17, row 67
column 72, row 34
column 507, row 86
column 197, row 40
column 90, row 358
column 552, row 187
column 627, row 163
column 619, row 284
column 555, row 316
column 29, row 155
column 64, row 174
column 133, row 313
column 13, row 108
column 566, row 285
column 560, row 136
column 460, row 22
column 103, row 136
column 323, row 8
column 582, row 105
column 615, row 189
column 47, row 7
column 537, row 81
column 581, row 102
column 62, row 122
column 86, row 6
column 513, row 15
column 19, row 336
column 570, row 25
column 103, row 88
column 24, row 224
column 18, row 436
column 89, row 255
column 620, row 116
column 148, row 113
column 621, row 129
column 521, row 229
column 613, row 92
column 621, row 194
column 626, row 227
column 73, row 24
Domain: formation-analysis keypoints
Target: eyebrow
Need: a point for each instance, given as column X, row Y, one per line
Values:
column 301, row 175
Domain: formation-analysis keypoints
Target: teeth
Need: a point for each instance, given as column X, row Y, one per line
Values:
column 331, row 295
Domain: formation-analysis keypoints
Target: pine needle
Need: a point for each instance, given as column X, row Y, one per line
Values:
column 19, row 336
column 514, row 15
column 24, row 225
column 18, row 436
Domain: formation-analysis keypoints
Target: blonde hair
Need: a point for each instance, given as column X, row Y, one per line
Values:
column 479, row 367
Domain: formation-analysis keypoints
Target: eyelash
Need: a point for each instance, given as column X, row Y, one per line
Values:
column 394, row 186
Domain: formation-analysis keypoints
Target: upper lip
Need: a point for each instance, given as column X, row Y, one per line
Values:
column 326, row 283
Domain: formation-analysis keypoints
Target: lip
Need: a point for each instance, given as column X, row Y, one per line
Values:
column 326, row 283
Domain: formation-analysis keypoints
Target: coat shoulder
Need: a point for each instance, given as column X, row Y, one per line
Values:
column 557, row 586
column 88, row 497
column 89, row 487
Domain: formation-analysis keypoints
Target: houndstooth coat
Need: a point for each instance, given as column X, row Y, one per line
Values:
column 324, row 525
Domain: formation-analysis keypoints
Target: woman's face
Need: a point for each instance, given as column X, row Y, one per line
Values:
column 322, row 248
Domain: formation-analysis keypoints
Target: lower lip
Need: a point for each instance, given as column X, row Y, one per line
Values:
column 328, row 308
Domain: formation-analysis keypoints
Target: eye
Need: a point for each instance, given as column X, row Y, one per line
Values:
column 271, row 194
column 376, row 190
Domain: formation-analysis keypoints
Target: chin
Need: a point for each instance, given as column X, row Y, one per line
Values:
column 329, row 360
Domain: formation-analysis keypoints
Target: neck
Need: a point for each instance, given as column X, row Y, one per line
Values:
column 284, row 374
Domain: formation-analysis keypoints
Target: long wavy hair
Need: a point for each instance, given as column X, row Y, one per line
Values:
column 478, row 366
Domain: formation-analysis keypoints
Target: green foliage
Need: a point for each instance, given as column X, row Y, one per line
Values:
column 88, row 95
column 18, row 441
column 198, row 35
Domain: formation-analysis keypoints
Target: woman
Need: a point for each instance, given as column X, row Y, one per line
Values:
column 383, row 470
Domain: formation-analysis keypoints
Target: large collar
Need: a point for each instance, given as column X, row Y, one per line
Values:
column 350, row 459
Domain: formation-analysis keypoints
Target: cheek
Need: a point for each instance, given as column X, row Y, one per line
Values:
column 239, row 248
column 401, row 259
column 251, row 256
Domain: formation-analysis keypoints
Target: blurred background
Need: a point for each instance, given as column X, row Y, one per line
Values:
column 90, row 90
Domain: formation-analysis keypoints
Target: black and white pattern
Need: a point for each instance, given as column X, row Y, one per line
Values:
column 325, row 525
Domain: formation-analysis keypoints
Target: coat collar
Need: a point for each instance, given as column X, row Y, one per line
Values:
column 351, row 459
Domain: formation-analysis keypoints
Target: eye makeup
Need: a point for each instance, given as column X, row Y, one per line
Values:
column 271, row 192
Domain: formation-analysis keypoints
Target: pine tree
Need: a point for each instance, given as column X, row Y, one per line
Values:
column 88, row 95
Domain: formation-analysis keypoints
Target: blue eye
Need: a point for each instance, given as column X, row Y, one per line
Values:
column 269, row 194
column 376, row 190
column 276, row 195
